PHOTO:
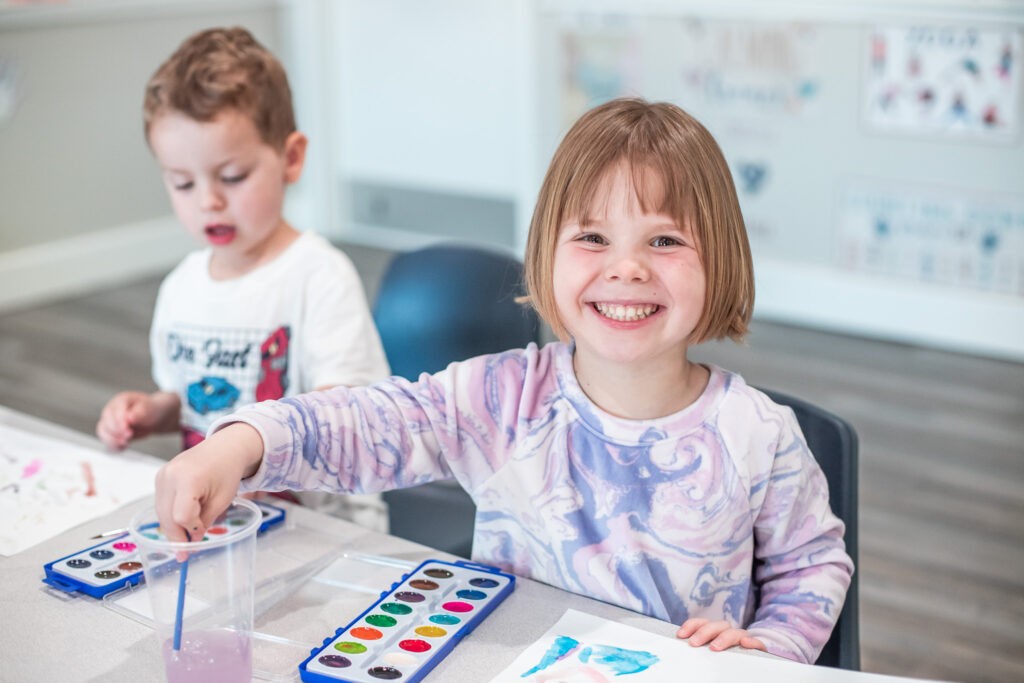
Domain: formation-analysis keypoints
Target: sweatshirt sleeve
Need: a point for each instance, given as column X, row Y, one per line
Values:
column 801, row 565
column 391, row 434
column 348, row 440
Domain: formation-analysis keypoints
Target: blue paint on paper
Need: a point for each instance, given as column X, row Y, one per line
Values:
column 618, row 661
column 559, row 649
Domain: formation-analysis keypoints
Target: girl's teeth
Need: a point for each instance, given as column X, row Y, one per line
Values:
column 625, row 313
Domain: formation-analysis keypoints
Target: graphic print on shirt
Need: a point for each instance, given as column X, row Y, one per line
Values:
column 218, row 369
column 211, row 393
column 274, row 365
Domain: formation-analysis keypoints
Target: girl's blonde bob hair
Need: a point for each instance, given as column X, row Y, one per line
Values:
column 649, row 138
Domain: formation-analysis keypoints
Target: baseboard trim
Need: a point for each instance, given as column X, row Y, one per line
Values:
column 41, row 273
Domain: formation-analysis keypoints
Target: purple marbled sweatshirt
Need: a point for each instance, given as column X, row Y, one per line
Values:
column 718, row 511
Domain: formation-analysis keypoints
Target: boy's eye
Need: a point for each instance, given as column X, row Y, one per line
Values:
column 183, row 186
column 234, row 179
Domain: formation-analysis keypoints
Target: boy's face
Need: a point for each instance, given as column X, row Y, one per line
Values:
column 629, row 286
column 226, row 185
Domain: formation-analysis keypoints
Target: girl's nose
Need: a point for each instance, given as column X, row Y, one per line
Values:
column 627, row 266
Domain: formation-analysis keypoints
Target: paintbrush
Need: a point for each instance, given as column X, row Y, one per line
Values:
column 108, row 534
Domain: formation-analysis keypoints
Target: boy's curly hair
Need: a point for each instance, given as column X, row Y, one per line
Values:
column 220, row 69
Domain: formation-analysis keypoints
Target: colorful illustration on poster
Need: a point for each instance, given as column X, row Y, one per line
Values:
column 933, row 236
column 950, row 81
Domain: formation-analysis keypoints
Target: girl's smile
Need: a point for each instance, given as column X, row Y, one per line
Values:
column 629, row 284
column 622, row 313
column 629, row 288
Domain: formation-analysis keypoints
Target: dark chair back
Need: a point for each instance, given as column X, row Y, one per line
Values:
column 834, row 444
column 437, row 305
column 448, row 303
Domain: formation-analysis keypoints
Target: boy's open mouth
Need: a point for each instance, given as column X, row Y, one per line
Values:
column 219, row 233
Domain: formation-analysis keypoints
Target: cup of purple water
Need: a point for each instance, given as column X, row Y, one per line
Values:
column 201, row 594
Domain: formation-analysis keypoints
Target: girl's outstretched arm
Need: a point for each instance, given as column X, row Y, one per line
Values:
column 194, row 488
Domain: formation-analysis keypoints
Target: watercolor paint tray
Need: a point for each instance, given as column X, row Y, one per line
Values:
column 305, row 579
column 412, row 626
column 114, row 563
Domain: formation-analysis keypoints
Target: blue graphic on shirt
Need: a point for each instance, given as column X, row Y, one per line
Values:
column 211, row 394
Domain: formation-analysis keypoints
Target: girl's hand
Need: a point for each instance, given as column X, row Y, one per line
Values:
column 194, row 488
column 720, row 634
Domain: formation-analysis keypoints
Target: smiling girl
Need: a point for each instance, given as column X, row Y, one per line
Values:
column 607, row 463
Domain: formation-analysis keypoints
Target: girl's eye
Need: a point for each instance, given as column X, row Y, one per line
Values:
column 664, row 241
column 592, row 238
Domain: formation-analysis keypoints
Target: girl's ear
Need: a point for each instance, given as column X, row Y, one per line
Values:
column 294, row 156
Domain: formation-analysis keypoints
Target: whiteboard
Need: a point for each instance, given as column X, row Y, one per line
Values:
column 879, row 159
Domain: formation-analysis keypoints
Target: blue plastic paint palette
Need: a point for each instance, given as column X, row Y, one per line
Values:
column 114, row 563
column 412, row 627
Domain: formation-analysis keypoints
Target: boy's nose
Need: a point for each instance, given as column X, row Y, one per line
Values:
column 211, row 199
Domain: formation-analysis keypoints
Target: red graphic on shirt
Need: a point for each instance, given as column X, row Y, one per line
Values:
column 274, row 365
column 190, row 437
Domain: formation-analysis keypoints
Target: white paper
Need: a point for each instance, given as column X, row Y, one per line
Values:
column 48, row 486
column 606, row 651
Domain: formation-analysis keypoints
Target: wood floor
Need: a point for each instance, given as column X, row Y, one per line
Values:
column 942, row 461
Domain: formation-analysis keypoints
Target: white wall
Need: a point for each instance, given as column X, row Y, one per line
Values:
column 83, row 204
column 435, row 94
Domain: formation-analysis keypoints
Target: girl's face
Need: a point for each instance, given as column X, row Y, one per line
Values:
column 629, row 287
column 226, row 185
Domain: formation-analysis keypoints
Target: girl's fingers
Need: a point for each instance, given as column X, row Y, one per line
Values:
column 727, row 639
column 186, row 523
column 689, row 627
column 720, row 634
column 708, row 632
column 752, row 643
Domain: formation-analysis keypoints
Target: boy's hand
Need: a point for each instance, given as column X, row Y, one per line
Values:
column 134, row 414
column 194, row 488
column 720, row 634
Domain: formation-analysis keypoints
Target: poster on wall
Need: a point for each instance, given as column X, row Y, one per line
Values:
column 745, row 80
column 750, row 69
column 601, row 60
column 951, row 81
column 933, row 236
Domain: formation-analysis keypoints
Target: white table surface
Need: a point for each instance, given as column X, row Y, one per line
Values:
column 46, row 638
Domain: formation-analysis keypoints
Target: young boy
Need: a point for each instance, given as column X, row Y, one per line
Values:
column 264, row 311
